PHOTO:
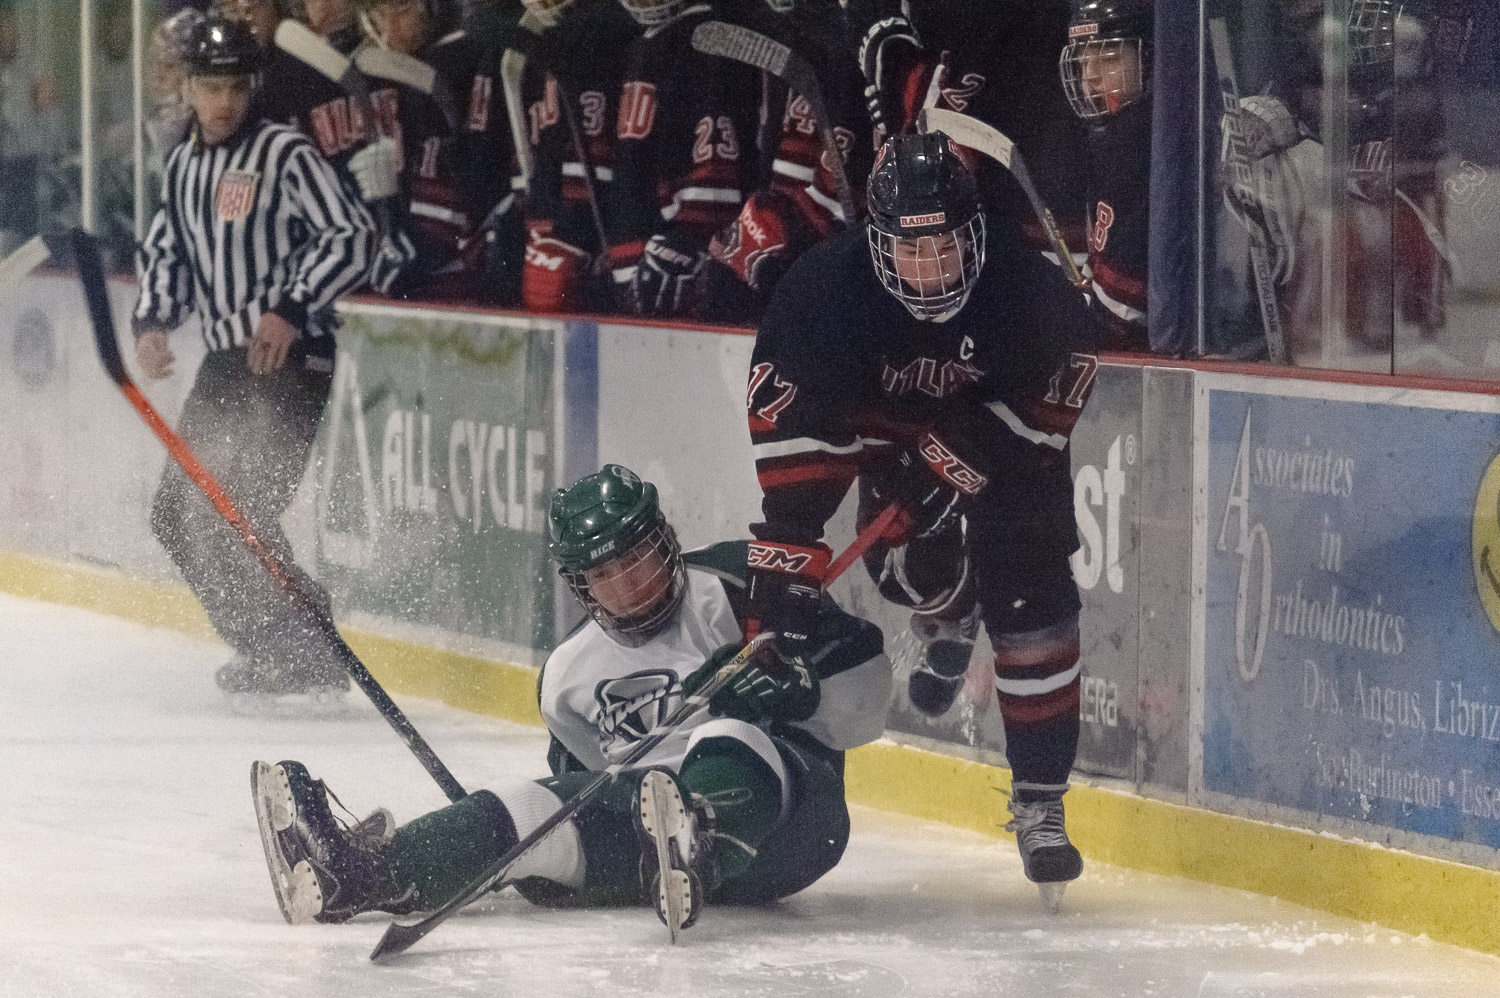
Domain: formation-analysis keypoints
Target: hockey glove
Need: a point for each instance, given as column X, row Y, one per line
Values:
column 764, row 690
column 666, row 278
column 377, row 169
column 887, row 54
column 927, row 505
column 756, row 245
column 554, row 274
column 785, row 595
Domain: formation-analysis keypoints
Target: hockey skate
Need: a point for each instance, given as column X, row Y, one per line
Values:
column 322, row 870
column 255, row 686
column 677, row 865
column 946, row 647
column 1049, row 859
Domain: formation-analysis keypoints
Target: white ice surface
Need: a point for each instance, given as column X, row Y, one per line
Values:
column 130, row 865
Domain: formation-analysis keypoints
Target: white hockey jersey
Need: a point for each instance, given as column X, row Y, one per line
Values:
column 598, row 696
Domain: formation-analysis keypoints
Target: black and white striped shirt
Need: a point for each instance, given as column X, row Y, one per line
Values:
column 260, row 223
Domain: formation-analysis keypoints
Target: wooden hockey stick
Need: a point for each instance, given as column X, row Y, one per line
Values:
column 96, row 297
column 732, row 41
column 399, row 938
column 986, row 139
column 1245, row 193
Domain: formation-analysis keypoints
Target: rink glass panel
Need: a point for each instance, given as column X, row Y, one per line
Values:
column 1385, row 252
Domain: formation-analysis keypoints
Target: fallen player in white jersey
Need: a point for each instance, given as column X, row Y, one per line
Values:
column 745, row 801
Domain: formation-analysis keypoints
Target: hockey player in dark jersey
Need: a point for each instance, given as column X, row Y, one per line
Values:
column 295, row 94
column 1106, row 74
column 946, row 378
column 456, row 158
column 996, row 62
column 797, row 201
column 754, row 785
column 575, row 65
column 686, row 157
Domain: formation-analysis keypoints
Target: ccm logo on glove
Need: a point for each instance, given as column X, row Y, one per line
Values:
column 788, row 558
column 949, row 467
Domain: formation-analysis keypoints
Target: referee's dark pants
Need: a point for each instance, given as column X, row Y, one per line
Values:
column 253, row 433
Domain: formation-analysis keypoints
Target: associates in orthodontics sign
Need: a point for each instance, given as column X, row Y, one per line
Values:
column 1352, row 611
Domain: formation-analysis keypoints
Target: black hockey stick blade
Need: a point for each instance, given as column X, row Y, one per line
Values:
column 734, row 41
column 96, row 297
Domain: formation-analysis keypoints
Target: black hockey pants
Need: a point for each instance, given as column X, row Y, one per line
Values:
column 253, row 434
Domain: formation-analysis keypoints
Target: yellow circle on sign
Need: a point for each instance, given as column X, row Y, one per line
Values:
column 1487, row 542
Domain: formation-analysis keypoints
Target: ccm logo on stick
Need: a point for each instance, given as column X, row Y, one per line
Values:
column 948, row 466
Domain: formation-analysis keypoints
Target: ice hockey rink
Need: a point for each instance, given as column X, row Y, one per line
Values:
column 130, row 865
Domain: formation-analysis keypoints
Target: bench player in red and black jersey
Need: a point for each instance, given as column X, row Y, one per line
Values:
column 578, row 58
column 686, row 156
column 946, row 378
column 455, row 162
column 797, row 202
column 1106, row 74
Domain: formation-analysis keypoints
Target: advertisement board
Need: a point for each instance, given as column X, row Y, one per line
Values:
column 437, row 460
column 1351, row 660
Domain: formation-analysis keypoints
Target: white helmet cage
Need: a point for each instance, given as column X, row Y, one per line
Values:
column 1372, row 31
column 657, row 604
column 945, row 288
column 1095, row 95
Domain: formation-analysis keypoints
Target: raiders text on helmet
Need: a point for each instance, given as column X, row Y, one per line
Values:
column 1106, row 65
column 926, row 227
column 614, row 516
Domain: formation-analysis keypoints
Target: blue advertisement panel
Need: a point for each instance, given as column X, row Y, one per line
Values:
column 1351, row 654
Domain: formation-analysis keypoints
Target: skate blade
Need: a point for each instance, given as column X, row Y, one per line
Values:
column 1052, row 896
column 298, row 894
column 272, row 816
column 664, row 822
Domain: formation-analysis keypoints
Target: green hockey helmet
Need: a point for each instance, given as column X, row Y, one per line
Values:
column 617, row 553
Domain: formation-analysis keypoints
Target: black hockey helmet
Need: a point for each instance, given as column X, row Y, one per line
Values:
column 920, row 194
column 1106, row 65
column 613, row 519
column 220, row 46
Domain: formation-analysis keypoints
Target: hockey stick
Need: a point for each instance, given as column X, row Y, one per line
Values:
column 512, row 66
column 732, row 41
column 1244, row 184
column 409, row 71
column 96, row 297
column 986, row 139
column 399, row 938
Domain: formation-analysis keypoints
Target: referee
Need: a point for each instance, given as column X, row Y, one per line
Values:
column 260, row 237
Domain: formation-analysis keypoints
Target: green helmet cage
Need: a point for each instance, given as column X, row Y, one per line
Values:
column 600, row 518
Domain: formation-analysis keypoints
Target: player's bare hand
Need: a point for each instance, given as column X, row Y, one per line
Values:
column 154, row 355
column 268, row 347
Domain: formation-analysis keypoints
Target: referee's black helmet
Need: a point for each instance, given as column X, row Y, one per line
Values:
column 221, row 47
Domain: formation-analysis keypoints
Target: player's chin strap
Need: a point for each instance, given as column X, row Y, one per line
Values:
column 96, row 296
column 398, row 938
